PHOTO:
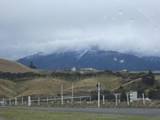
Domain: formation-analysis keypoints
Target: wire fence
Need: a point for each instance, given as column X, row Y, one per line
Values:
column 63, row 99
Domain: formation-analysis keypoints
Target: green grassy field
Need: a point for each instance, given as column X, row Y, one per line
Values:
column 21, row 114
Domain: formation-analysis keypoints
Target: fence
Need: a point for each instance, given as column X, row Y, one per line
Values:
column 71, row 100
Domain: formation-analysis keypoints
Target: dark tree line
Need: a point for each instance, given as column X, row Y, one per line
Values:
column 149, row 79
column 18, row 76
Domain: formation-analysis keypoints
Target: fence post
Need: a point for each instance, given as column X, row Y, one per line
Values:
column 3, row 101
column 143, row 97
column 72, row 93
column 90, row 99
column 80, row 100
column 10, row 101
column 22, row 100
column 103, row 99
column 15, row 101
column 29, row 101
column 99, row 94
column 39, row 101
column 119, row 100
column 47, row 100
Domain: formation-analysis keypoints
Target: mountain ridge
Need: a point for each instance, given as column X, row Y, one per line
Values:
column 92, row 58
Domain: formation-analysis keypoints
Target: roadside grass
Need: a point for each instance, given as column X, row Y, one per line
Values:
column 22, row 114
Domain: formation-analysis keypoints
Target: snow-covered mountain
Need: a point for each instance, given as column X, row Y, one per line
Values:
column 92, row 58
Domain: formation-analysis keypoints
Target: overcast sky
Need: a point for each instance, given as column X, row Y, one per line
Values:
column 31, row 26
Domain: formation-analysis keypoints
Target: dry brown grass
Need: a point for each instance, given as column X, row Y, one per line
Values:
column 50, row 86
column 13, row 67
column 42, row 86
column 7, row 88
column 108, row 82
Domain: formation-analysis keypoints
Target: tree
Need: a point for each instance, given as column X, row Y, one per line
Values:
column 149, row 79
column 154, row 94
column 122, row 91
column 32, row 65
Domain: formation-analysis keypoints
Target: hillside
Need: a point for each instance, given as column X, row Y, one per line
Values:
column 92, row 58
column 7, row 88
column 84, row 84
column 13, row 67
column 52, row 86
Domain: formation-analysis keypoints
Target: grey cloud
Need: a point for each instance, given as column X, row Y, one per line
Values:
column 31, row 26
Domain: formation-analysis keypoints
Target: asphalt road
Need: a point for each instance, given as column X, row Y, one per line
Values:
column 118, row 111
column 115, row 111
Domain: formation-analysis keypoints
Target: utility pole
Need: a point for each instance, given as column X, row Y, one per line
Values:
column 116, row 99
column 72, row 93
column 128, row 103
column 99, row 93
column 62, row 95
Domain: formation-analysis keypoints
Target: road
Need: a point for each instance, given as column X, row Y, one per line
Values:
column 2, row 118
column 118, row 111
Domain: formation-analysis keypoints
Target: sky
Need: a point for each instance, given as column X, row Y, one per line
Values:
column 31, row 26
